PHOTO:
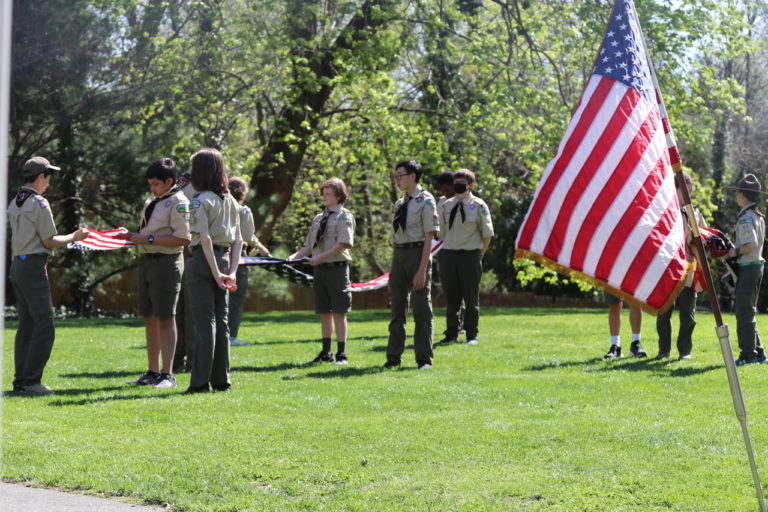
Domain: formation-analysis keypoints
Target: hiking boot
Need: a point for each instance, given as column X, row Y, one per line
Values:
column 636, row 350
column 662, row 356
column 323, row 357
column 341, row 358
column 613, row 352
column 37, row 389
column 166, row 381
column 742, row 361
column 149, row 378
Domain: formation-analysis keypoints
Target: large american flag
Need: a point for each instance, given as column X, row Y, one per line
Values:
column 606, row 209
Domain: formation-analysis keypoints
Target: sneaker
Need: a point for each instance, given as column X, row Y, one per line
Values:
column 636, row 350
column 37, row 389
column 425, row 366
column 613, row 352
column 762, row 358
column 166, row 381
column 341, row 358
column 661, row 356
column 390, row 364
column 323, row 357
column 473, row 341
column 446, row 341
column 149, row 378
column 686, row 356
column 234, row 342
column 746, row 360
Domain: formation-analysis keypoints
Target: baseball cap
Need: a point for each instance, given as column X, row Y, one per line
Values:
column 36, row 165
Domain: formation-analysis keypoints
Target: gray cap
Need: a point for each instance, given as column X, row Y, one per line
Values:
column 36, row 165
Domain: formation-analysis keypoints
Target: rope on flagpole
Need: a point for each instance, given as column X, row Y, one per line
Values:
column 721, row 329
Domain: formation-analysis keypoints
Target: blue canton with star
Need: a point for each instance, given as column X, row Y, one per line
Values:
column 621, row 56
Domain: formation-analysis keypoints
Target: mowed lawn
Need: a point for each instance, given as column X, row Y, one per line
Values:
column 530, row 419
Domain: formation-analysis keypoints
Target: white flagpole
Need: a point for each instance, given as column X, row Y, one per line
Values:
column 721, row 328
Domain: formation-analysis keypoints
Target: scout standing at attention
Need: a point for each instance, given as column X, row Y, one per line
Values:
column 466, row 230
column 162, row 236
column 413, row 229
column 239, row 190
column 185, row 340
column 33, row 235
column 748, row 241
column 328, row 242
column 215, row 247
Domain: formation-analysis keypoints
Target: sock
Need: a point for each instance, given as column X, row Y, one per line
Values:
column 635, row 337
column 326, row 344
column 342, row 347
column 615, row 341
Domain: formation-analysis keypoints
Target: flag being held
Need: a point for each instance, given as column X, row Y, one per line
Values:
column 606, row 209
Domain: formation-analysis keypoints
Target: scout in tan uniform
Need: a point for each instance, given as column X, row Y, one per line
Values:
column 33, row 235
column 748, row 241
column 215, row 252
column 445, row 186
column 466, row 230
column 185, row 340
column 162, row 236
column 414, row 226
column 239, row 190
column 328, row 242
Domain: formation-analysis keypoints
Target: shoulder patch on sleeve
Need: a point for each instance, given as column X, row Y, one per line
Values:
column 43, row 203
column 195, row 203
column 183, row 208
column 746, row 220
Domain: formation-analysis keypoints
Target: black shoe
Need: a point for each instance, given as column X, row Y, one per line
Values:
column 341, row 358
column 390, row 364
column 446, row 341
column 223, row 388
column 762, row 358
column 613, row 352
column 148, row 379
column 323, row 357
column 202, row 389
column 746, row 360
column 636, row 350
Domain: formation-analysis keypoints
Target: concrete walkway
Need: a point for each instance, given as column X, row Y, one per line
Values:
column 19, row 498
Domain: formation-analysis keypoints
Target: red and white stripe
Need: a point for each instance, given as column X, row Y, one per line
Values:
column 383, row 280
column 103, row 240
column 606, row 205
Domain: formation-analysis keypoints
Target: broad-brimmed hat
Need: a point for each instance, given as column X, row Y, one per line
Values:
column 748, row 183
column 36, row 165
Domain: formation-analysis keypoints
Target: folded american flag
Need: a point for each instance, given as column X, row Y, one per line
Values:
column 103, row 240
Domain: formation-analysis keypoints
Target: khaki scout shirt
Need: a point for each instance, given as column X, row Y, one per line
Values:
column 340, row 229
column 248, row 229
column 467, row 235
column 218, row 217
column 30, row 224
column 750, row 228
column 170, row 217
column 185, row 185
column 422, row 217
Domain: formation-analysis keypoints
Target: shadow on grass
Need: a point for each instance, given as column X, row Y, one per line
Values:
column 273, row 368
column 317, row 340
column 366, row 315
column 102, row 375
column 114, row 398
column 635, row 365
column 349, row 372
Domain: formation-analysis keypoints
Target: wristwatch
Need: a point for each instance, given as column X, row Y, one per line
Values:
column 150, row 239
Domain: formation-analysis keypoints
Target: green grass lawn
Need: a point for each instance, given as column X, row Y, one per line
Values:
column 530, row 419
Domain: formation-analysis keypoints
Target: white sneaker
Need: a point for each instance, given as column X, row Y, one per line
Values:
column 473, row 341
column 166, row 381
column 234, row 342
column 425, row 366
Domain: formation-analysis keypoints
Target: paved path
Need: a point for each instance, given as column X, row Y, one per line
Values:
column 19, row 498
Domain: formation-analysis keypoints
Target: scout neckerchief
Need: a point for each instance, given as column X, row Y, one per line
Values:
column 401, row 215
column 24, row 194
column 184, row 179
column 151, row 206
column 458, row 208
column 323, row 224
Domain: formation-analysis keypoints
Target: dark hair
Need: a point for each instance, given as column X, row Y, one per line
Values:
column 751, row 195
column 208, row 172
column 465, row 174
column 238, row 188
column 161, row 170
column 338, row 187
column 411, row 167
column 445, row 178
column 31, row 178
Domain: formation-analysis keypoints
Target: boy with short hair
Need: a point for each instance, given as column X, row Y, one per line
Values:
column 163, row 234
column 33, row 236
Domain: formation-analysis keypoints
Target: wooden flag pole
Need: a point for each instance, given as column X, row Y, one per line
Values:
column 721, row 329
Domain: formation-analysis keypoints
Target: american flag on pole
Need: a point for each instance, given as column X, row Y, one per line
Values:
column 606, row 209
column 103, row 240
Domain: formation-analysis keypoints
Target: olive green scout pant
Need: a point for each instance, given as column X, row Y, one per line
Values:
column 461, row 272
column 747, row 287
column 237, row 301
column 36, row 331
column 405, row 264
column 686, row 305
column 207, row 303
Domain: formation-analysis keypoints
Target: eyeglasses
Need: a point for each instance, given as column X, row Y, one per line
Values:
column 398, row 176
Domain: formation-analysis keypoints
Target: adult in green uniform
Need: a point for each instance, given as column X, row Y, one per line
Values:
column 748, row 242
column 414, row 225
column 466, row 229
column 33, row 236
column 215, row 247
column 239, row 190
column 686, row 301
